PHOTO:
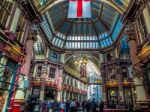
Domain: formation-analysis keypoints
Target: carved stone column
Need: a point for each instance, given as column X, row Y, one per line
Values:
column 25, row 68
column 43, row 78
column 130, row 31
column 59, row 83
column 103, row 85
column 120, row 84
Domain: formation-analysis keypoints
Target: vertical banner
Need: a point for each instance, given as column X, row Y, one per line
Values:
column 79, row 9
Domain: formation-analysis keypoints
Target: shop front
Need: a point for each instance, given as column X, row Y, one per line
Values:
column 8, row 71
column 112, row 96
column 50, row 93
column 128, row 95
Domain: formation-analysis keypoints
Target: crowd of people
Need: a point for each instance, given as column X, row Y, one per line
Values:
column 68, row 106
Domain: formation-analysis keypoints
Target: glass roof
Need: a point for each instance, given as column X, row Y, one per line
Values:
column 99, row 32
column 125, row 49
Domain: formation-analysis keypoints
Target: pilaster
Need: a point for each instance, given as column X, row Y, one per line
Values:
column 140, row 90
column 43, row 76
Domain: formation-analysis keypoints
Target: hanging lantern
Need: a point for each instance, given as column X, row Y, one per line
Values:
column 83, row 67
column 83, row 70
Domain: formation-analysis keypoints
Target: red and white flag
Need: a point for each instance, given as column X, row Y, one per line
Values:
column 79, row 9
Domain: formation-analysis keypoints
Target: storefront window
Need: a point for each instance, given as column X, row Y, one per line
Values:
column 128, row 95
column 142, row 28
column 36, row 92
column 52, row 72
column 39, row 71
column 113, row 96
column 5, row 10
column 20, row 28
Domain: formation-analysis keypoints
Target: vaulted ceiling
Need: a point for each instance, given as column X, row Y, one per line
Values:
column 74, row 63
column 98, row 32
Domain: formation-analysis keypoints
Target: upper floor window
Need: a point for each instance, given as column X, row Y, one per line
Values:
column 20, row 28
column 52, row 72
column 142, row 28
column 39, row 71
column 54, row 56
column 39, row 48
column 5, row 11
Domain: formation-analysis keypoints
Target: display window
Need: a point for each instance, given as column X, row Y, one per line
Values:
column 128, row 95
column 113, row 96
column 52, row 72
column 39, row 71
column 36, row 92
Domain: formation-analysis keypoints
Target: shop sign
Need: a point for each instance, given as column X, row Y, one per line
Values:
column 13, row 54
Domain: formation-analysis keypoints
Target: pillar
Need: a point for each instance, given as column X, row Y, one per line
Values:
column 59, row 94
column 140, row 91
column 25, row 68
column 59, row 82
column 104, row 91
column 120, row 88
column 3, row 62
column 43, row 77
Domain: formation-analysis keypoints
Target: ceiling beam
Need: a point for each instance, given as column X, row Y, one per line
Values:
column 96, row 32
column 48, row 5
column 101, row 10
column 51, row 3
column 106, row 27
column 66, row 35
column 114, row 5
column 59, row 25
column 63, row 9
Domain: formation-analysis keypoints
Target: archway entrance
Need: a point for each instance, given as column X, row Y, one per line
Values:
column 84, row 68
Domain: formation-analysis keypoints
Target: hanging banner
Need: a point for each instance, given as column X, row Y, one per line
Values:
column 79, row 9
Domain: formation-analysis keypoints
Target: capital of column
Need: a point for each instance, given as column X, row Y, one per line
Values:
column 32, row 37
column 141, row 2
column 130, row 31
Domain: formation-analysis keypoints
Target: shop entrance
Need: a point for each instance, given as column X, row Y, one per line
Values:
column 50, row 93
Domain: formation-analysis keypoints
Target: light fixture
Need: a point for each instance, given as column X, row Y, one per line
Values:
column 82, row 64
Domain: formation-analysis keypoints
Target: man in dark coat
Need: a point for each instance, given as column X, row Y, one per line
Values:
column 101, row 106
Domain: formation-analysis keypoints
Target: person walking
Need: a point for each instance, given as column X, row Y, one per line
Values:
column 62, row 107
column 101, row 106
column 93, row 106
column 88, row 106
column 67, row 106
column 55, row 106
column 72, row 106
column 83, row 106
column 49, row 106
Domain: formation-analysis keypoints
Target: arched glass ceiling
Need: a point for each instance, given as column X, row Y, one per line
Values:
column 100, row 31
column 124, row 47
column 120, row 5
column 73, row 66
